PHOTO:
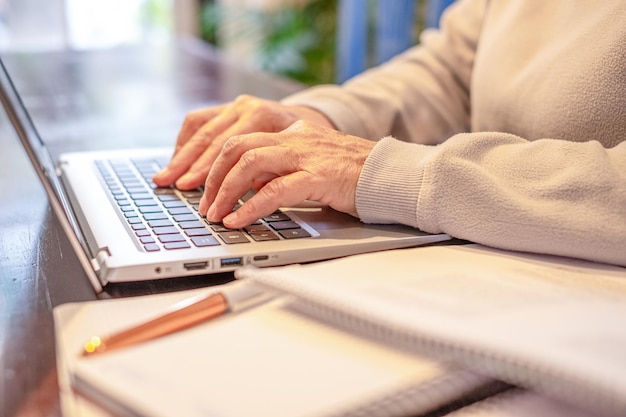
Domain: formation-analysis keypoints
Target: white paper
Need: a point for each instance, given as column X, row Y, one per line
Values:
column 554, row 324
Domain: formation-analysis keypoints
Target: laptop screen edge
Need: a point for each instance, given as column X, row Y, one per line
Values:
column 46, row 171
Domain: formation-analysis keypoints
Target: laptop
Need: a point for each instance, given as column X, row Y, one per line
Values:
column 125, row 229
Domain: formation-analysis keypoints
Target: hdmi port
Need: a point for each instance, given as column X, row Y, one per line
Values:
column 192, row 266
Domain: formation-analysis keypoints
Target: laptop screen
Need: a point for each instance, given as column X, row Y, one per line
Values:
column 44, row 166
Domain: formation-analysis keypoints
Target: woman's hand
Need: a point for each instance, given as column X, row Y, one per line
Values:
column 306, row 161
column 205, row 131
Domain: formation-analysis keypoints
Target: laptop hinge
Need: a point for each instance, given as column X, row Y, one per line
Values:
column 100, row 259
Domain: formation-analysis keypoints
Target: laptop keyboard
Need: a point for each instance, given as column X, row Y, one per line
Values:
column 167, row 219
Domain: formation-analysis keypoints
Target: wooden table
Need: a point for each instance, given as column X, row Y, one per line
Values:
column 132, row 96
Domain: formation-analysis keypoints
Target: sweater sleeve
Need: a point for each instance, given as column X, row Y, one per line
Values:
column 545, row 196
column 420, row 96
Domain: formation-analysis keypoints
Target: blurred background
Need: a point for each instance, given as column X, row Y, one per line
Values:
column 310, row 41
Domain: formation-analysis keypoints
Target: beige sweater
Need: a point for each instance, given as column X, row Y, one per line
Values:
column 507, row 127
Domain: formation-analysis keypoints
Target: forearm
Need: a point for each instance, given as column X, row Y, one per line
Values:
column 546, row 196
column 420, row 96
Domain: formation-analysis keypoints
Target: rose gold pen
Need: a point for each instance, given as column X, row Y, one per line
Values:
column 235, row 296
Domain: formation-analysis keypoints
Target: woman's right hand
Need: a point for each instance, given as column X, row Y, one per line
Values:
column 205, row 131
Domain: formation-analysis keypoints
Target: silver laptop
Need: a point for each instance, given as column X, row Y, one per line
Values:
column 125, row 229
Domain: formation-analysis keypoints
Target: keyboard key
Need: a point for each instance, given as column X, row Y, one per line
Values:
column 285, row 225
column 147, row 239
column 160, row 223
column 140, row 196
column 173, row 203
column 128, row 178
column 149, row 209
column 192, row 194
column 176, row 245
column 180, row 210
column 146, row 202
column 168, row 197
column 152, row 247
column 190, row 224
column 264, row 236
column 172, row 238
column 185, row 218
column 163, row 190
column 202, row 241
column 155, row 216
column 200, row 231
column 294, row 233
column 219, row 227
column 233, row 237
column 136, row 189
column 165, row 230
column 256, row 228
column 142, row 233
column 194, row 200
column 277, row 217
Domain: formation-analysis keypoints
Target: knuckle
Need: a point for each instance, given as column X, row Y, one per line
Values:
column 254, row 105
column 249, row 159
column 245, row 101
column 249, row 208
column 193, row 119
column 189, row 119
column 231, row 145
column 274, row 190
column 210, row 183
column 242, row 98
column 198, row 142
column 298, row 125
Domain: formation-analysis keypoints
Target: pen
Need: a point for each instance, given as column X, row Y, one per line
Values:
column 235, row 296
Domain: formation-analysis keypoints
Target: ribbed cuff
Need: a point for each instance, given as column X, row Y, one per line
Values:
column 390, row 182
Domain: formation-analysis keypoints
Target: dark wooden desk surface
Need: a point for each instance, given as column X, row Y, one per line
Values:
column 123, row 97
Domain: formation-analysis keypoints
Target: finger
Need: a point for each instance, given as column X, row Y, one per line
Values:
column 193, row 122
column 191, row 162
column 197, row 173
column 284, row 191
column 231, row 155
column 256, row 165
column 187, row 153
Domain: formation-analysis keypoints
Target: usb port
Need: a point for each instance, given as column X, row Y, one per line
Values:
column 228, row 262
column 261, row 258
column 192, row 266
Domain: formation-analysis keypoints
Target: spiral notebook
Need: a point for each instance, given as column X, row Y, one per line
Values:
column 550, row 324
